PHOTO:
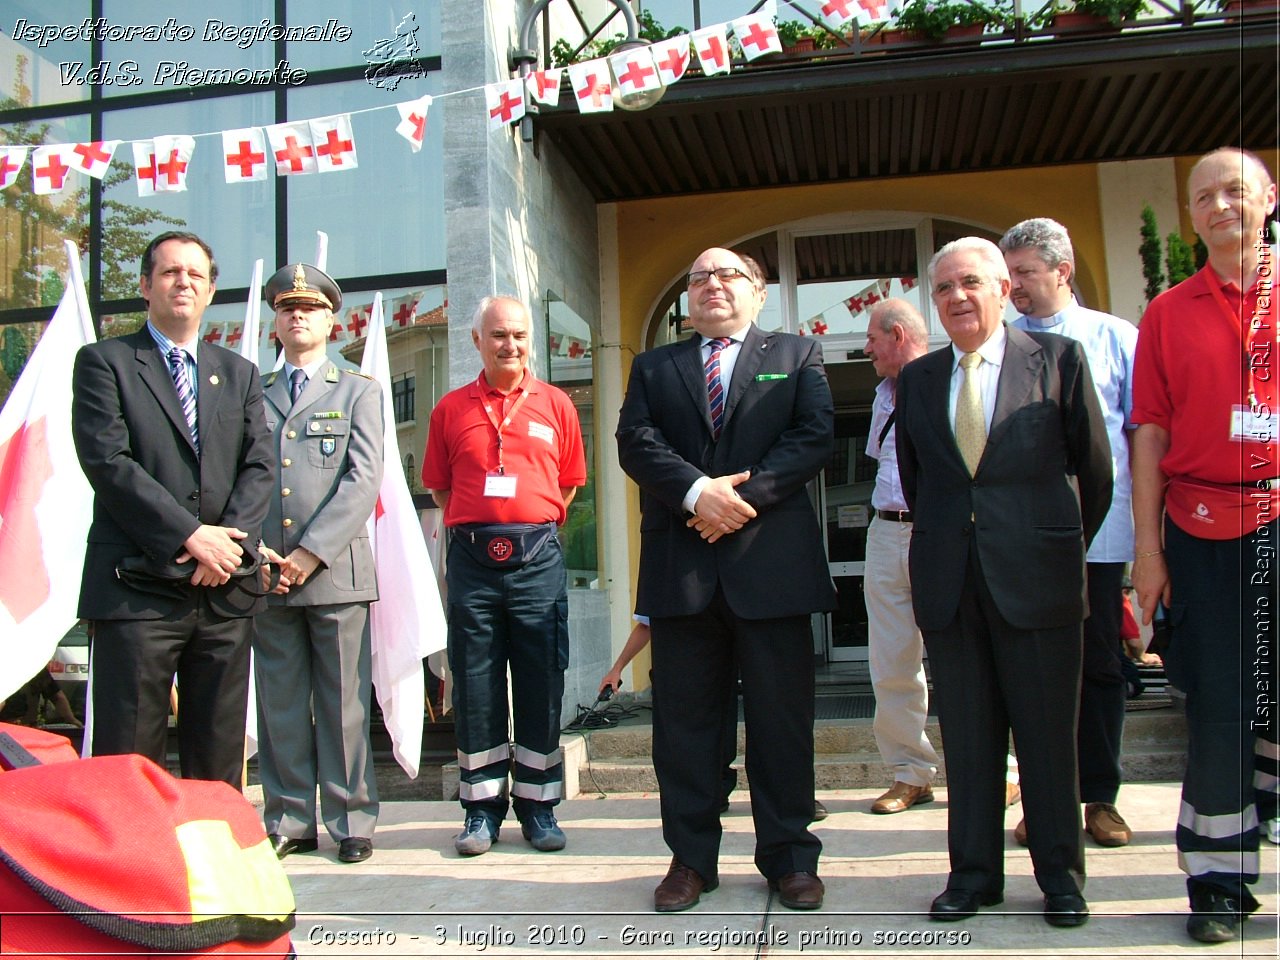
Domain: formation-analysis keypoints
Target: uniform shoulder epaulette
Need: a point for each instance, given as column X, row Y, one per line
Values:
column 270, row 378
column 357, row 373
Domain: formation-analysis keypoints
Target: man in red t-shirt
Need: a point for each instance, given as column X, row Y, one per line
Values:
column 1205, row 463
column 504, row 458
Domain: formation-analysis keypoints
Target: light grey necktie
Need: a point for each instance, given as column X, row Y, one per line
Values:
column 971, row 420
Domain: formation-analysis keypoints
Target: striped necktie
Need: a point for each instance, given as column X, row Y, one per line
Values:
column 186, row 394
column 715, row 388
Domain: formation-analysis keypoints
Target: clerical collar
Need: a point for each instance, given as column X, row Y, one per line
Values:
column 1053, row 320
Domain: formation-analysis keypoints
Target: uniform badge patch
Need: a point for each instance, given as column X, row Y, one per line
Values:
column 328, row 445
column 500, row 549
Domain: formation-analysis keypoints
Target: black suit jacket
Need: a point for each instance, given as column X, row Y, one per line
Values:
column 779, row 426
column 151, row 489
column 1040, row 493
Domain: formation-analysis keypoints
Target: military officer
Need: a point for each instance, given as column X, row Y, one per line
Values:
column 313, row 667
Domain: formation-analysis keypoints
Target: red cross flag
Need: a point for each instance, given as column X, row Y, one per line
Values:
column 335, row 144
column 45, row 501
column 413, row 121
column 49, row 168
column 635, row 70
column 756, row 35
column 505, row 102
column 234, row 335
column 711, row 44
column 592, row 86
column 172, row 155
column 836, row 13
column 11, row 161
column 244, row 154
column 671, row 57
column 92, row 158
column 144, row 166
column 214, row 334
column 292, row 148
column 871, row 11
column 405, row 309
column 544, row 86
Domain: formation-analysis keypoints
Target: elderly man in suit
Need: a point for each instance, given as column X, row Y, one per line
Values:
column 170, row 434
column 1005, row 463
column 313, row 668
column 722, row 432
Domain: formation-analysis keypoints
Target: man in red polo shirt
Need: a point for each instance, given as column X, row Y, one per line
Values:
column 504, row 458
column 1204, row 508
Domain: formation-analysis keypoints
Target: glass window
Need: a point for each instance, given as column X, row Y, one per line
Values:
column 236, row 219
column 402, row 392
column 379, row 36
column 841, row 276
column 44, row 52
column 191, row 51
column 387, row 214
column 32, row 228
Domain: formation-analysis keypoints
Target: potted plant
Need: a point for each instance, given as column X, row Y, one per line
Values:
column 935, row 19
column 1092, row 14
column 795, row 37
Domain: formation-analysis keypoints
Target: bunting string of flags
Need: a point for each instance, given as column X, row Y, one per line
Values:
column 327, row 144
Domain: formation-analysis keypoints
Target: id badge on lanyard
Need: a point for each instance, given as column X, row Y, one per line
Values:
column 499, row 483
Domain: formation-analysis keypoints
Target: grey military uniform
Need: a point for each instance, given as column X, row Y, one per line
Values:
column 313, row 670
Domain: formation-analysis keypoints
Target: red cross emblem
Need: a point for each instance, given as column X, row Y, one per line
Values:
column 759, row 37
column 674, row 62
column 871, row 298
column 873, row 7
column 7, row 167
column 593, row 88
column 419, row 125
column 544, row 83
column 501, row 549
column 293, row 153
column 819, row 328
column 172, row 169
column 334, row 148
column 506, row 107
column 246, row 159
column 234, row 335
column 333, row 332
column 149, row 171
column 840, row 7
column 855, row 304
column 635, row 75
column 908, row 283
column 555, row 343
column 403, row 314
column 575, row 350
column 714, row 52
column 357, row 324
column 91, row 153
column 56, row 171
column 213, row 336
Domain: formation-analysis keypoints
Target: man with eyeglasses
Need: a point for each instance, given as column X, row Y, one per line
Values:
column 722, row 432
column 1006, row 467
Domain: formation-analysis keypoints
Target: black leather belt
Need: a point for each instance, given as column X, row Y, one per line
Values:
column 897, row 516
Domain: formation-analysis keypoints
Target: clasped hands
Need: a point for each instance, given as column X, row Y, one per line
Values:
column 719, row 511
column 294, row 569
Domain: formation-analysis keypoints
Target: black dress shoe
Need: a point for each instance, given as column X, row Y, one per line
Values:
column 961, row 904
column 1065, row 910
column 355, row 849
column 283, row 846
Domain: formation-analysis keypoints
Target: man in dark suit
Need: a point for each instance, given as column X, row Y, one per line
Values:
column 1006, row 466
column 722, row 432
column 313, row 670
column 171, row 436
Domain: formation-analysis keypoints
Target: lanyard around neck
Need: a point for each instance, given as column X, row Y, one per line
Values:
column 499, row 425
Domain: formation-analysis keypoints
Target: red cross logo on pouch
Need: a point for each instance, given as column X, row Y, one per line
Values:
column 506, row 107
column 758, row 37
column 246, row 159
column 501, row 549
column 819, row 328
column 293, row 153
column 714, row 52
column 56, row 172
column 635, row 75
column 172, row 169
column 334, row 147
column 594, row 89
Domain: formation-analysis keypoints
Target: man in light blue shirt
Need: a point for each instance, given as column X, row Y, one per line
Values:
column 1041, row 263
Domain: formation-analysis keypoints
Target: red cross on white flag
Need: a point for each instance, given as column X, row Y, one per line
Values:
column 335, row 145
column 92, row 158
column 819, row 325
column 756, row 35
column 635, row 70
column 405, row 309
column 413, row 121
column 711, row 44
column 544, row 86
column 214, row 334
column 172, row 156
column 671, row 57
column 836, row 13
column 49, row 168
column 234, row 334
column 11, row 161
column 871, row 11
column 244, row 154
column 505, row 102
column 144, row 167
column 592, row 86
column 292, row 148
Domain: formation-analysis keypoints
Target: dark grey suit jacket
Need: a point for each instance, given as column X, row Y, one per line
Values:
column 1040, row 493
column 779, row 425
column 149, row 484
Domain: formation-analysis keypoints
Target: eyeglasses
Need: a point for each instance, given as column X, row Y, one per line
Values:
column 969, row 284
column 724, row 274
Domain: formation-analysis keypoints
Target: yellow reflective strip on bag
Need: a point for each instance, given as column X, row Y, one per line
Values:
column 226, row 880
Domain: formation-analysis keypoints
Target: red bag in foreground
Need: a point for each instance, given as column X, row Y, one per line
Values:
column 112, row 857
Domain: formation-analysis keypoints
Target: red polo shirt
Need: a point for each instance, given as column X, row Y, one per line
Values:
column 541, row 448
column 1191, row 371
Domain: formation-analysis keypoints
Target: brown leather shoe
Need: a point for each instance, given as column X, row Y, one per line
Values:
column 1012, row 794
column 799, row 890
column 1103, row 822
column 902, row 796
column 680, row 888
column 1020, row 832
